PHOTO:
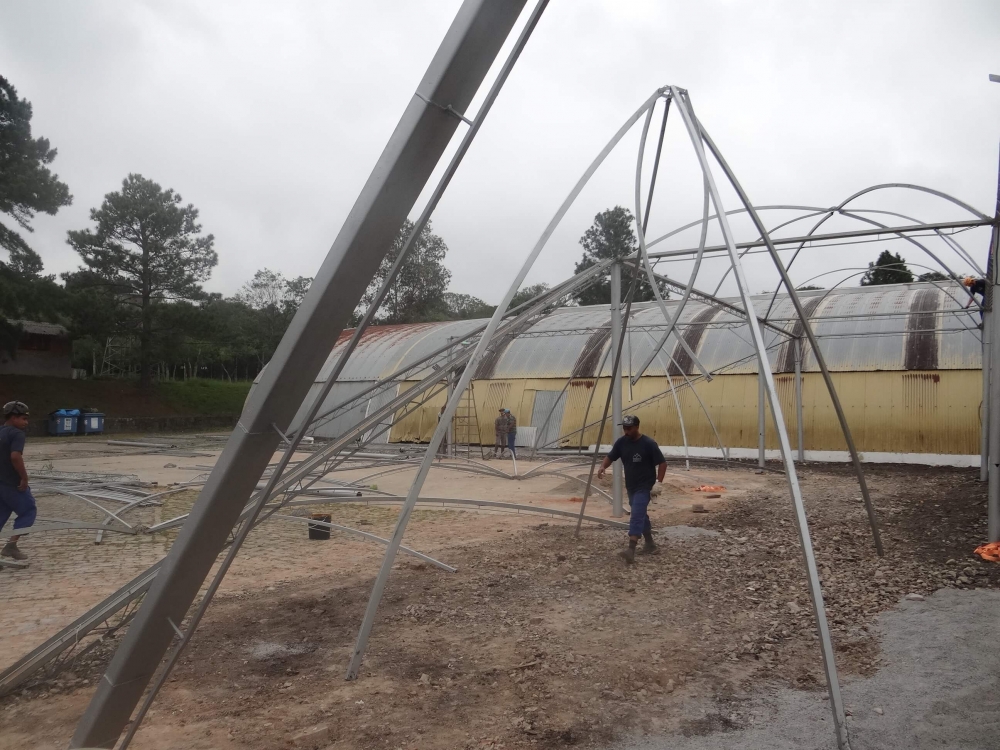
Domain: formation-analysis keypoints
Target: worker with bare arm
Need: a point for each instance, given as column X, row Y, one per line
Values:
column 975, row 286
column 511, row 432
column 15, row 497
column 644, row 465
column 500, row 433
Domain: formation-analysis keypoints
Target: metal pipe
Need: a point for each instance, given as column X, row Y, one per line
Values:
column 993, row 301
column 984, row 407
column 697, row 135
column 798, row 398
column 760, row 412
column 366, row 535
column 968, row 224
column 617, row 505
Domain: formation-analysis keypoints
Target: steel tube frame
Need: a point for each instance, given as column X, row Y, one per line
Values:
column 798, row 399
column 423, row 133
column 697, row 136
column 993, row 447
column 617, row 505
column 463, row 383
column 901, row 230
column 810, row 334
column 760, row 412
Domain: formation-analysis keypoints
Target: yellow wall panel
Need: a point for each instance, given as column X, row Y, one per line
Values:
column 892, row 411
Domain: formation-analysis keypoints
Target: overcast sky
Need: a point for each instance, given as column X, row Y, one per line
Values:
column 268, row 117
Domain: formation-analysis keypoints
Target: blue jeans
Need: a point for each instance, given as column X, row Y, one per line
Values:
column 638, row 521
column 21, row 504
column 510, row 442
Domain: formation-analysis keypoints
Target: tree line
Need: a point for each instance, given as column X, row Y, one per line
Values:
column 145, row 258
column 136, row 303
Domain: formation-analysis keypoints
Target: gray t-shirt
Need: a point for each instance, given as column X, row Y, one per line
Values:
column 11, row 441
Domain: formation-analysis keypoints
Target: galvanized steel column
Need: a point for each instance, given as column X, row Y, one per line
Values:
column 423, row 133
column 617, row 504
column 993, row 311
column 798, row 399
column 984, row 408
column 761, row 400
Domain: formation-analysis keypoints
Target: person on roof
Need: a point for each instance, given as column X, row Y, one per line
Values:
column 644, row 465
column 15, row 497
column 511, row 432
column 500, row 433
column 975, row 286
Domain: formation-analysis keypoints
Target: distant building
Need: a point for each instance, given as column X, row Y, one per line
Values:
column 906, row 360
column 44, row 349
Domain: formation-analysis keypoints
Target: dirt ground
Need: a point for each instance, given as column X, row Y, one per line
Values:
column 540, row 639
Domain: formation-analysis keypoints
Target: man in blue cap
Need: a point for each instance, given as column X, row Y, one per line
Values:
column 644, row 465
column 15, row 497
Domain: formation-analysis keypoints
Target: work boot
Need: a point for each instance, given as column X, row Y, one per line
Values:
column 649, row 546
column 10, row 550
column 628, row 555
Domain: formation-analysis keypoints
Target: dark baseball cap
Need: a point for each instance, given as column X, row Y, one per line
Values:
column 630, row 421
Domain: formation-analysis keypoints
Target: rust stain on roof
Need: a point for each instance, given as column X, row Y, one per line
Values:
column 682, row 362
column 921, row 338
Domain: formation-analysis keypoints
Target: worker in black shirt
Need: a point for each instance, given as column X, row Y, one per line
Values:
column 975, row 286
column 644, row 465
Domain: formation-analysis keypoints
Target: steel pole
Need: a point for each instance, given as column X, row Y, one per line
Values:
column 426, row 128
column 812, row 574
column 761, row 398
column 617, row 504
column 810, row 334
column 984, row 408
column 798, row 399
column 993, row 312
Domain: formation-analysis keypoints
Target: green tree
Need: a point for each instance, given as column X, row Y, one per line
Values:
column 272, row 300
column 610, row 236
column 27, row 186
column 530, row 292
column 147, row 251
column 889, row 268
column 932, row 276
column 467, row 307
column 417, row 294
column 806, row 288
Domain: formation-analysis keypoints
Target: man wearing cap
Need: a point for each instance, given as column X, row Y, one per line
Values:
column 15, row 497
column 511, row 432
column 644, row 465
column 500, row 432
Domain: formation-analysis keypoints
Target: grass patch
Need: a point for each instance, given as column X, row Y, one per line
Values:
column 202, row 396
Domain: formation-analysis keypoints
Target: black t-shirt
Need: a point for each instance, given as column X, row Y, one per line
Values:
column 11, row 441
column 639, row 459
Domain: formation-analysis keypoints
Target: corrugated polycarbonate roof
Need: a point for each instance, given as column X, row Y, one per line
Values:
column 891, row 327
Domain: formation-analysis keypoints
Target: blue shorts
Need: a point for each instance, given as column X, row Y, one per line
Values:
column 638, row 521
column 21, row 504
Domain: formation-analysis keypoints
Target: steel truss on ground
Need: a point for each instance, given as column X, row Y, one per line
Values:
column 244, row 490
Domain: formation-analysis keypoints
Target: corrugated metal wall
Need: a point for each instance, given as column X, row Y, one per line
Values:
column 892, row 412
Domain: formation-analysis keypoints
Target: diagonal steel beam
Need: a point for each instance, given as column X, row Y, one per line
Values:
column 413, row 151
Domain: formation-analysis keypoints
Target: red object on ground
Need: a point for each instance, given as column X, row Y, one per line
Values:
column 709, row 488
column 989, row 551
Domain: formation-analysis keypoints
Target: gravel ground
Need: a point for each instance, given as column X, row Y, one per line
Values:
column 937, row 689
column 545, row 641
